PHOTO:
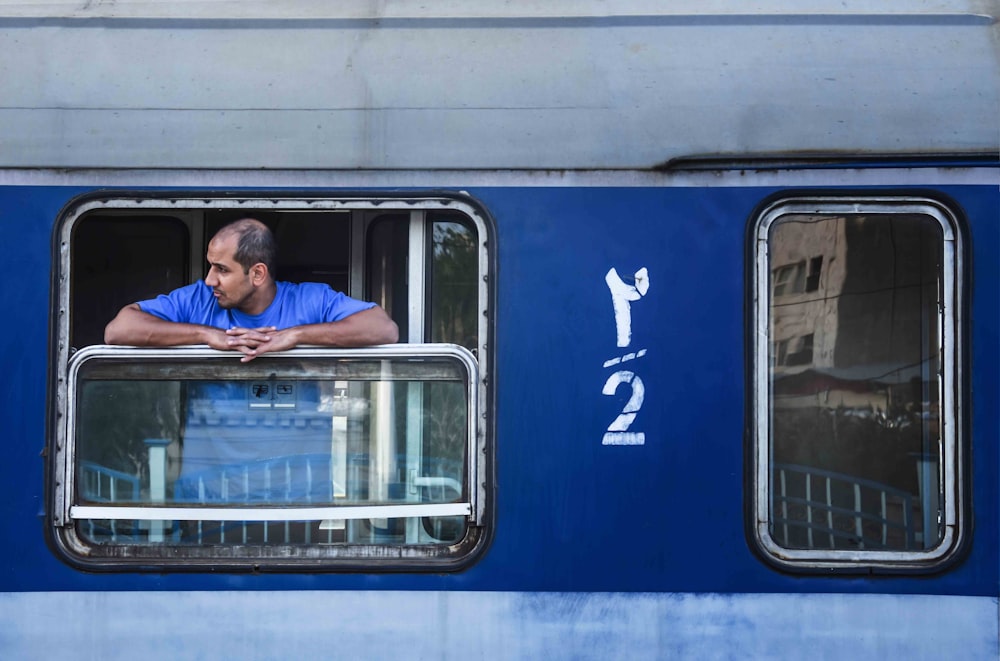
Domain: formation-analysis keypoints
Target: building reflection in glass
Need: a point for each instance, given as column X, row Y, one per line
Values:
column 854, row 327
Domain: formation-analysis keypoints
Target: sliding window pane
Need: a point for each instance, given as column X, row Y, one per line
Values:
column 854, row 323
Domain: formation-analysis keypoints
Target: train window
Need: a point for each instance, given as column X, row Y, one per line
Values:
column 857, row 437
column 310, row 459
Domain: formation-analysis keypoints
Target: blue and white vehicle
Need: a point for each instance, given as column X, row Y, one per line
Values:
column 698, row 309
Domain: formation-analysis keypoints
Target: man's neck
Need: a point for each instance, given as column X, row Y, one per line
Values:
column 260, row 300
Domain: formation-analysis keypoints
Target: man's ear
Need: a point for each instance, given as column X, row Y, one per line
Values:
column 258, row 273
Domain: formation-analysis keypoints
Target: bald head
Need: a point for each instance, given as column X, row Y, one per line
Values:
column 254, row 243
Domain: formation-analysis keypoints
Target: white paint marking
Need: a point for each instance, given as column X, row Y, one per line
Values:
column 624, row 438
column 616, row 434
column 626, row 357
column 621, row 296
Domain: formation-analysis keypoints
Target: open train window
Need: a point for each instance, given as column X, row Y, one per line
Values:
column 857, row 436
column 310, row 459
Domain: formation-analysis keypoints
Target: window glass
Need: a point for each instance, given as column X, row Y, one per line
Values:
column 453, row 282
column 855, row 453
column 317, row 433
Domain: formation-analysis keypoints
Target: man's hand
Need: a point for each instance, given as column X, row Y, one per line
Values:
column 361, row 329
column 252, row 342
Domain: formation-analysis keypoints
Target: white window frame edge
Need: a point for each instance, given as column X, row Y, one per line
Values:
column 67, row 511
column 192, row 201
column 950, row 322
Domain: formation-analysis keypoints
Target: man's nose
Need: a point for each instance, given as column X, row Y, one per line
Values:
column 210, row 279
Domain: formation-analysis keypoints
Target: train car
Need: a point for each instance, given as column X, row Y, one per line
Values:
column 698, row 321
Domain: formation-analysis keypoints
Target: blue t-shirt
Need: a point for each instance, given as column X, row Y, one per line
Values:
column 293, row 305
column 230, row 449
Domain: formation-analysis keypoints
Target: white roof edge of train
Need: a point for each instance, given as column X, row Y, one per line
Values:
column 408, row 9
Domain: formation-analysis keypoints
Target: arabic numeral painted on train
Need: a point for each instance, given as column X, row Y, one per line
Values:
column 618, row 433
column 622, row 296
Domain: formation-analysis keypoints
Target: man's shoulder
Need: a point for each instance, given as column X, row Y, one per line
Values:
column 310, row 298
column 180, row 302
column 304, row 289
column 303, row 286
column 197, row 294
column 197, row 289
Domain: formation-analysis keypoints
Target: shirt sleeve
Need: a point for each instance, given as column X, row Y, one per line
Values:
column 180, row 305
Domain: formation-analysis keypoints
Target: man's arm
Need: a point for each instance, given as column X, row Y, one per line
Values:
column 134, row 327
column 361, row 329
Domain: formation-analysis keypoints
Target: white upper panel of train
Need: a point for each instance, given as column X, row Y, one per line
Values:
column 567, row 84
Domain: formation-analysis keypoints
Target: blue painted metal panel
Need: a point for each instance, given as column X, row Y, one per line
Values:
column 573, row 514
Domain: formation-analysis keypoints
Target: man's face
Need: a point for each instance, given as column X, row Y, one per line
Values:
column 233, row 288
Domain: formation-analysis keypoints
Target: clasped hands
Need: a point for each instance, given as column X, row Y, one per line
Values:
column 253, row 342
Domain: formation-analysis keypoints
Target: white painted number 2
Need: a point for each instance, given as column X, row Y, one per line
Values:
column 618, row 433
column 622, row 295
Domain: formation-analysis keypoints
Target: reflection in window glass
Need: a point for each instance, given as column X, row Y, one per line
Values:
column 453, row 283
column 364, row 435
column 854, row 378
